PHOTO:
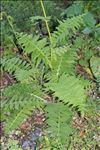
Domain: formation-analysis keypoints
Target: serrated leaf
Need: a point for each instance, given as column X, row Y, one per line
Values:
column 69, row 89
column 58, row 119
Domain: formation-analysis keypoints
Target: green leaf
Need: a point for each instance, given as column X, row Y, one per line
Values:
column 89, row 20
column 22, row 94
column 35, row 47
column 36, row 18
column 70, row 89
column 65, row 28
column 24, row 75
column 11, row 63
column 65, row 61
column 58, row 118
column 16, row 119
column 73, row 10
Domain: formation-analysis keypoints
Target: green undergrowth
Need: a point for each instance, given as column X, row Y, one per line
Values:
column 64, row 64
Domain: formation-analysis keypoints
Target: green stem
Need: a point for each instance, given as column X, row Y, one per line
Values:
column 47, row 26
column 48, row 29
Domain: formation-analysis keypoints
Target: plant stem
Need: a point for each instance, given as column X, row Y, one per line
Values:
column 47, row 26
column 48, row 29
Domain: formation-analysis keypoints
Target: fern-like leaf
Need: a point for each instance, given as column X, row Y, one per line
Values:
column 21, row 99
column 20, row 69
column 12, row 63
column 71, row 90
column 24, row 75
column 73, row 10
column 58, row 118
column 65, row 61
column 34, row 46
column 65, row 27
column 22, row 94
column 17, row 117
